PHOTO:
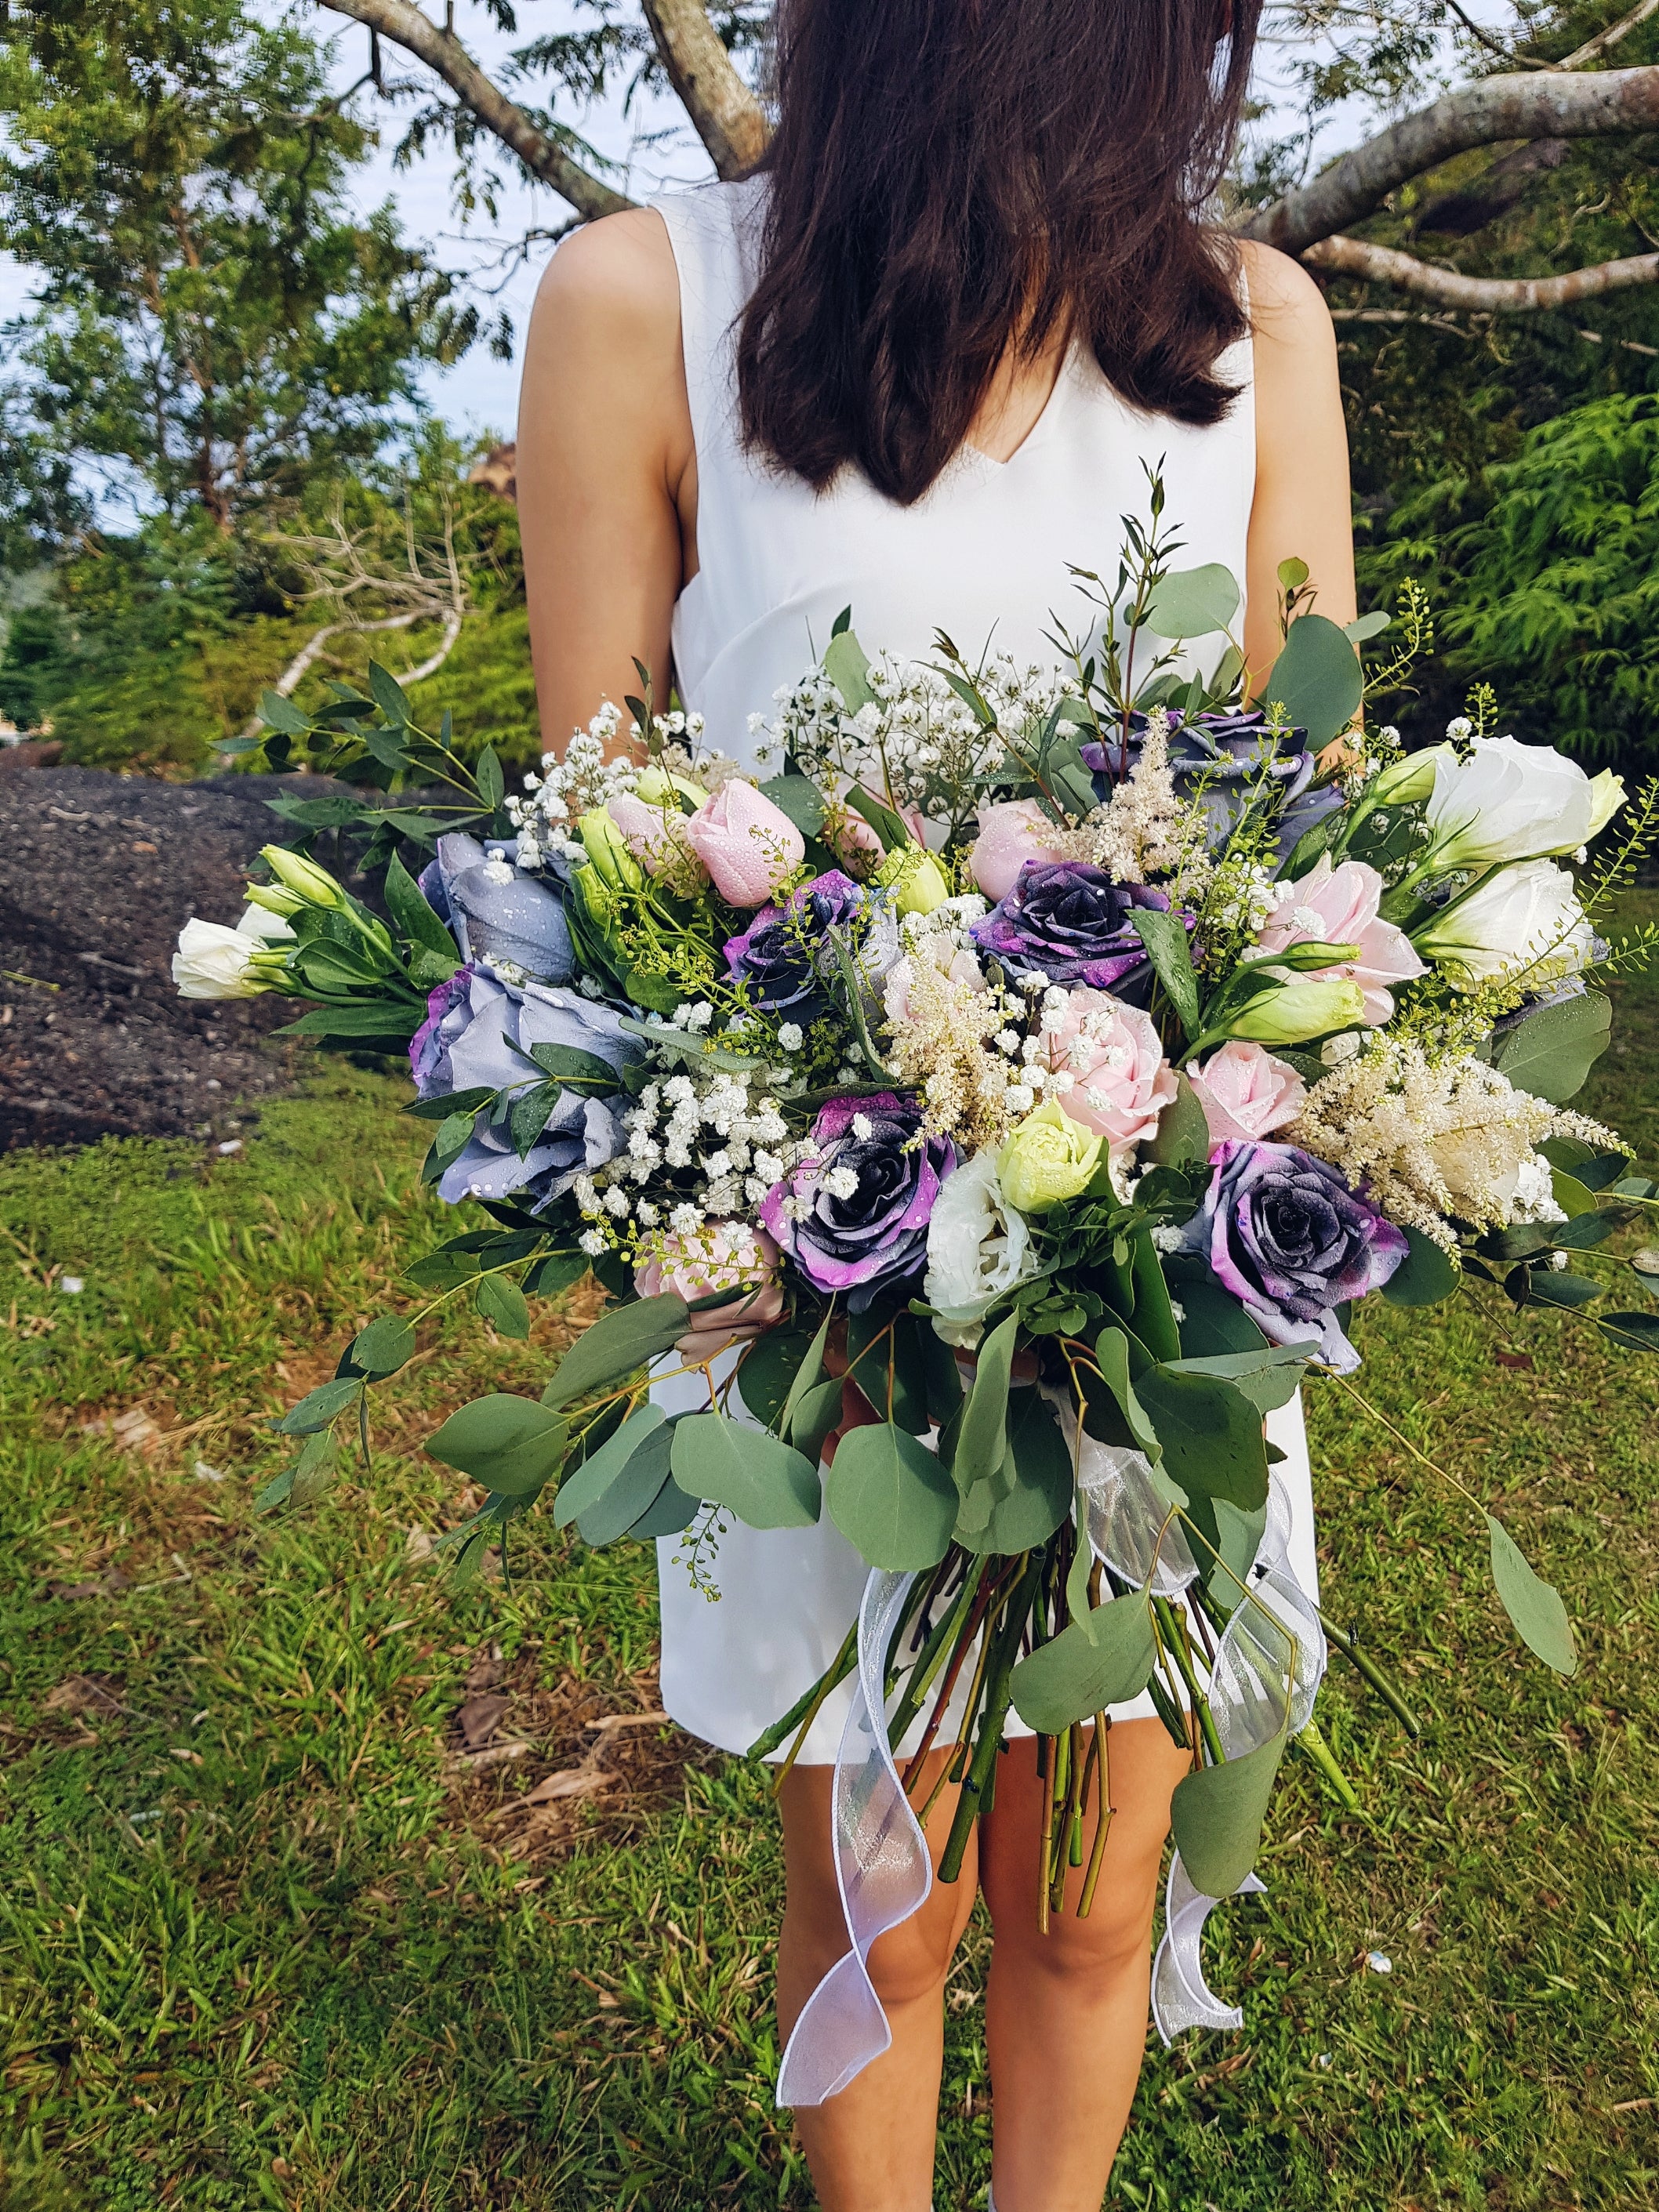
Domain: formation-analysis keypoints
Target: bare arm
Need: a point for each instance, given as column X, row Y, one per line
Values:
column 606, row 469
column 1302, row 507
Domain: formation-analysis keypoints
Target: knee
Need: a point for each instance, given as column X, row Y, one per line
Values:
column 909, row 1964
column 1083, row 1956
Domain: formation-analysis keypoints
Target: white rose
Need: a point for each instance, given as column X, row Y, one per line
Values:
column 1524, row 916
column 213, row 962
column 978, row 1247
column 1509, row 801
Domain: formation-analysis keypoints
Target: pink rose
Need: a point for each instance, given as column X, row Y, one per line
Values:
column 750, row 847
column 1009, row 835
column 1245, row 1091
column 851, row 839
column 1107, row 1067
column 1338, row 906
column 698, row 1266
column 651, row 833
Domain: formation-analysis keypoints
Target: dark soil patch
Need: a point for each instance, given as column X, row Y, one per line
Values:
column 98, row 874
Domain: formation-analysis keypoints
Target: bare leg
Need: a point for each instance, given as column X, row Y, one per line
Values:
column 871, row 2148
column 1066, row 2016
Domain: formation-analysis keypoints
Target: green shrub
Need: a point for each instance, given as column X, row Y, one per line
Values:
column 1544, row 572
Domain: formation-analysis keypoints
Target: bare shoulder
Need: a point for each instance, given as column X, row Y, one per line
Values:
column 613, row 280
column 1287, row 308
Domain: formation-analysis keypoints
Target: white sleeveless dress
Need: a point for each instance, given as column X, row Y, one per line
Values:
column 985, row 557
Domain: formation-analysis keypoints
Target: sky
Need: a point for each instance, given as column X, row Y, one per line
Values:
column 481, row 393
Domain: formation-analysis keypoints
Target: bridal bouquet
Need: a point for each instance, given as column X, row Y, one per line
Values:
column 1020, row 1085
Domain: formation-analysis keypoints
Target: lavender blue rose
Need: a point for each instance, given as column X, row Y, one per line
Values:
column 1287, row 1237
column 870, row 1232
column 1220, row 759
column 494, row 912
column 474, row 1023
column 1073, row 921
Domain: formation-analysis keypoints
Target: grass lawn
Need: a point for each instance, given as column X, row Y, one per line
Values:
column 266, row 1939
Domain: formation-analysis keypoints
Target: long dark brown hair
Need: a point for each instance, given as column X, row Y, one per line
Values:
column 950, row 176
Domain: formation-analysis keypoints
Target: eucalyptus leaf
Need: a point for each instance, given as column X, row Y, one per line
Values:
column 1105, row 1658
column 818, row 1412
column 510, row 1444
column 1637, row 1332
column 890, row 1499
column 1217, row 1816
column 1193, row 602
column 761, row 1479
column 1316, row 679
column 981, row 1440
column 384, row 1345
column 1427, row 1274
column 767, row 1372
column 1534, row 1604
column 669, row 1512
column 587, row 1487
column 1269, row 1379
column 621, row 1340
column 1210, row 1433
column 503, row 1304
column 1551, row 1051
column 1213, row 1321
column 1112, row 1357
column 319, row 1406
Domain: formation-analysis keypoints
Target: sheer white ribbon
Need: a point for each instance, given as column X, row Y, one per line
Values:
column 1273, row 1647
column 881, row 1869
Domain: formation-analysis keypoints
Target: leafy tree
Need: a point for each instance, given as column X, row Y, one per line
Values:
column 211, row 324
column 1545, row 573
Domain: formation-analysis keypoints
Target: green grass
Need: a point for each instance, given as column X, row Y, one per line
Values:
column 260, row 1944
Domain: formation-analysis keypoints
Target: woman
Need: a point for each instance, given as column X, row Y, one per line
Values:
column 917, row 367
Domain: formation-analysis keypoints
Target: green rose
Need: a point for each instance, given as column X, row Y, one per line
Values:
column 915, row 879
column 1048, row 1157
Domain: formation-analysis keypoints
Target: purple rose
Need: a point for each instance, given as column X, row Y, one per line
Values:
column 855, row 1217
column 1220, row 759
column 448, row 1011
column 1286, row 1236
column 782, row 955
column 1072, row 920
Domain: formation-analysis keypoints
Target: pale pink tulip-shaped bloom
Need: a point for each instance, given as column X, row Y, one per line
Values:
column 1106, row 1066
column 1245, row 1092
column 1011, row 833
column 1339, row 906
column 652, row 833
column 690, row 1266
column 750, row 847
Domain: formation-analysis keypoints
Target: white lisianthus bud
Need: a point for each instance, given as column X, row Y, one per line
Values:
column 214, row 962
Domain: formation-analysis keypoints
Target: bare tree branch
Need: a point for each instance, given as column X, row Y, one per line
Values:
column 1492, row 295
column 730, row 121
column 1548, row 105
column 1593, row 49
column 442, row 51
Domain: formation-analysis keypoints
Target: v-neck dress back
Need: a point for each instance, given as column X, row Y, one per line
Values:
column 987, row 556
